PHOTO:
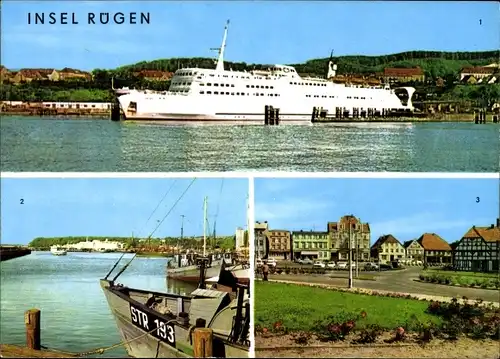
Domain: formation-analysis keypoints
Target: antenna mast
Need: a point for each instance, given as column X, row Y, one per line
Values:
column 220, row 60
column 204, row 226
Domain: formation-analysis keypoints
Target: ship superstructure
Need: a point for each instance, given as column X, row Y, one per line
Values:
column 198, row 94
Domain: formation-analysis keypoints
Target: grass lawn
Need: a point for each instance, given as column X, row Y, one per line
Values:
column 460, row 273
column 299, row 307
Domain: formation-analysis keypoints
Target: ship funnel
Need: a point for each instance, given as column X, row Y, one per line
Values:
column 332, row 68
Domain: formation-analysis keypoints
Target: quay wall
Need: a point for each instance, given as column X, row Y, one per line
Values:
column 7, row 253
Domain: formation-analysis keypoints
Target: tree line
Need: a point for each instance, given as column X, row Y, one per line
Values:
column 223, row 242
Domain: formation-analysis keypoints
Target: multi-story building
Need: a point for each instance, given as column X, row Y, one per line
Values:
column 479, row 249
column 311, row 244
column 261, row 242
column 387, row 249
column 414, row 251
column 240, row 238
column 349, row 228
column 401, row 75
column 279, row 243
column 436, row 249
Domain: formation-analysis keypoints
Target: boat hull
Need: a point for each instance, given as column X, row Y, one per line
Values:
column 142, row 344
column 191, row 273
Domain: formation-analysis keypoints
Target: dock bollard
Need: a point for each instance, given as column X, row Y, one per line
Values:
column 32, row 322
column 202, row 342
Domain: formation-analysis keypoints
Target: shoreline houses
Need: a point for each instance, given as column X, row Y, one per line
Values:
column 29, row 74
column 96, row 245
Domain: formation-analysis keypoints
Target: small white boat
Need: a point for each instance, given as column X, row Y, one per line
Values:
column 58, row 251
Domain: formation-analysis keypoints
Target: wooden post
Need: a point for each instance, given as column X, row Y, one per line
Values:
column 202, row 342
column 32, row 322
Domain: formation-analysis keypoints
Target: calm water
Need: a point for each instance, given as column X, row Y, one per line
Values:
column 34, row 144
column 75, row 315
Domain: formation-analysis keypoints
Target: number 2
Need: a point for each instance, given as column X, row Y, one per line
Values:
column 477, row 200
column 21, row 201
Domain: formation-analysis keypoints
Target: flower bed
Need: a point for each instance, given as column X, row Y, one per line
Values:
column 461, row 281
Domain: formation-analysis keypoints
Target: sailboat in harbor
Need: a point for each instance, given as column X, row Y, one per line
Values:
column 186, row 266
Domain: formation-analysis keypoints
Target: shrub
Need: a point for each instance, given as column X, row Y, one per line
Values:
column 422, row 277
column 302, row 338
column 336, row 327
column 287, row 270
column 370, row 334
column 279, row 270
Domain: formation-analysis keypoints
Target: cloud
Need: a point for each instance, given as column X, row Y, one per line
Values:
column 422, row 223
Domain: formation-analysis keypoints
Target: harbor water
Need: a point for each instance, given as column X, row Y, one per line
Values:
column 57, row 145
column 74, row 313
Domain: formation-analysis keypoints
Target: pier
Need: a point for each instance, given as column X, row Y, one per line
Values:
column 11, row 252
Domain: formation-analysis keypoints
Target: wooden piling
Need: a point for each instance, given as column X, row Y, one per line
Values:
column 32, row 322
column 202, row 342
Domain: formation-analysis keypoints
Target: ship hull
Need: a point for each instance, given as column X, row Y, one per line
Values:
column 192, row 273
column 142, row 344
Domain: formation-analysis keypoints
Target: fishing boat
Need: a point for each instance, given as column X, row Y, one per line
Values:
column 161, row 325
column 58, row 251
column 220, row 95
column 186, row 266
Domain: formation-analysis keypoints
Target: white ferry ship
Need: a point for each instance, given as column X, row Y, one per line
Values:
column 197, row 94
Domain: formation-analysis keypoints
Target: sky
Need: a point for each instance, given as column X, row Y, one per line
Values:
column 260, row 31
column 118, row 207
column 405, row 208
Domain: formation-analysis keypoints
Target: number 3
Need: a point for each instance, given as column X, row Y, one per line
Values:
column 170, row 336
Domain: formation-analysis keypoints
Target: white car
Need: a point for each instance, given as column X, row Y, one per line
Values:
column 330, row 265
column 341, row 265
column 271, row 262
column 319, row 264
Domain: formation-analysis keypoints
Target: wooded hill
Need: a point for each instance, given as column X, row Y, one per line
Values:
column 434, row 63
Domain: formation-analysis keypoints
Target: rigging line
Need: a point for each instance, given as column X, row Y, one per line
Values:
column 171, row 209
column 166, row 194
column 218, row 202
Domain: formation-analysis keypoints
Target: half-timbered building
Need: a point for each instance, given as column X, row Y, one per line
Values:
column 479, row 249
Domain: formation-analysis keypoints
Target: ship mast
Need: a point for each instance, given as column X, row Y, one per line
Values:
column 204, row 226
column 220, row 60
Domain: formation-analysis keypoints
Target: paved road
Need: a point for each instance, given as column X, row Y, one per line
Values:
column 400, row 281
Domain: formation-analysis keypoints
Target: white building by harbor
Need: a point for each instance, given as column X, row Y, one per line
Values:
column 240, row 238
column 96, row 245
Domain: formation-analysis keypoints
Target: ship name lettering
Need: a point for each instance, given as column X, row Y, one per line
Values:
column 139, row 317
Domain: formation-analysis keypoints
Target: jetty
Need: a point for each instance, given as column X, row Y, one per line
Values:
column 33, row 348
column 11, row 252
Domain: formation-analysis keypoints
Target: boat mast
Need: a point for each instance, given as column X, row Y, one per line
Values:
column 204, row 226
column 220, row 60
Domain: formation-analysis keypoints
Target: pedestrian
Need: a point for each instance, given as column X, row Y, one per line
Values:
column 265, row 271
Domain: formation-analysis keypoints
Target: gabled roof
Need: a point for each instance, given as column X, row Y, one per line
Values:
column 477, row 70
column 402, row 72
column 489, row 234
column 346, row 221
column 433, row 242
column 409, row 243
column 388, row 238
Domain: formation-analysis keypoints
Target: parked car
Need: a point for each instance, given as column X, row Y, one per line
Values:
column 331, row 265
column 271, row 262
column 319, row 264
column 342, row 265
column 305, row 261
column 371, row 266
